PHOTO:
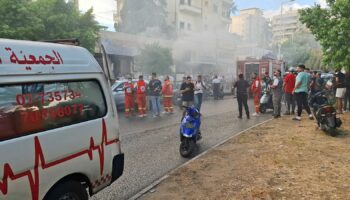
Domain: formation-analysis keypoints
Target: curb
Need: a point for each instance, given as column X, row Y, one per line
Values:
column 161, row 179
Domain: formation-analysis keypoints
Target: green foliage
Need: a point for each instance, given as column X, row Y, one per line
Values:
column 141, row 16
column 302, row 48
column 331, row 26
column 47, row 20
column 154, row 58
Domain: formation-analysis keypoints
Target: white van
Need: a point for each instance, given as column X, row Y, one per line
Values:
column 59, row 135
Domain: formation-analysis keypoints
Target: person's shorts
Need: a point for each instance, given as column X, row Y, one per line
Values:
column 187, row 103
column 340, row 93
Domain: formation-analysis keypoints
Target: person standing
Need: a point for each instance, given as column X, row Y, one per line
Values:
column 277, row 93
column 216, row 87
column 129, row 97
column 316, row 83
column 242, row 95
column 187, row 91
column 141, row 96
column 347, row 94
column 198, row 92
column 301, row 91
column 167, row 91
column 256, row 91
column 288, row 85
column 155, row 88
column 341, row 89
column 266, row 81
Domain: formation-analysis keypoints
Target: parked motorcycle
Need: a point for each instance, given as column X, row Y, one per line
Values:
column 324, row 112
column 266, row 101
column 190, row 131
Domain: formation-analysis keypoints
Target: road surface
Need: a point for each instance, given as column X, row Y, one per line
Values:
column 151, row 145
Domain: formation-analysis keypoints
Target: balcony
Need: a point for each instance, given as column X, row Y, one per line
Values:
column 190, row 9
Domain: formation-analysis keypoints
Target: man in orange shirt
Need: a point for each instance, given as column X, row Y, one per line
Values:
column 141, row 96
column 167, row 91
column 256, row 91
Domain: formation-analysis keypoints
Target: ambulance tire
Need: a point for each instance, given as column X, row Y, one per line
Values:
column 68, row 190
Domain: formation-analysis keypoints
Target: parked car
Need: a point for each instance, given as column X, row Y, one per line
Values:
column 118, row 92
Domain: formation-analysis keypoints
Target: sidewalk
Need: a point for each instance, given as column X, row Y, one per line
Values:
column 281, row 159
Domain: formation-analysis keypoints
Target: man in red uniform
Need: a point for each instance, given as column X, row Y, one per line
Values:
column 289, row 83
column 129, row 97
column 167, row 91
column 256, row 91
column 141, row 96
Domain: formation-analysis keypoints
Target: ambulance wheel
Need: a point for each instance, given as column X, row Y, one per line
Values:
column 70, row 190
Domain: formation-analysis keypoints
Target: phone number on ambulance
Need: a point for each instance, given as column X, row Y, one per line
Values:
column 52, row 113
column 23, row 99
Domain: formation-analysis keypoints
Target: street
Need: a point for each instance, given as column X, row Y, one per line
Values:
column 151, row 145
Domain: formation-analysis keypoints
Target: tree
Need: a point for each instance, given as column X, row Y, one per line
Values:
column 154, row 58
column 302, row 48
column 47, row 20
column 18, row 20
column 140, row 16
column 331, row 27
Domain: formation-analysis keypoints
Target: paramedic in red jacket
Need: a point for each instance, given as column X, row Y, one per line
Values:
column 129, row 97
column 167, row 91
column 256, row 91
column 141, row 96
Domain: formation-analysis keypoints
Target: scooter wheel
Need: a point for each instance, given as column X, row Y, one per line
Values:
column 262, row 109
column 186, row 147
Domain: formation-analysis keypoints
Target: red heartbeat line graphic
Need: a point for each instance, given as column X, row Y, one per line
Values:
column 40, row 161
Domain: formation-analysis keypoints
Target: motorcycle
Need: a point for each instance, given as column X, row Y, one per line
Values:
column 189, row 131
column 266, row 101
column 324, row 112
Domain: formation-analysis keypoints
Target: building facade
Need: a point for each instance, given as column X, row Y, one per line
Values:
column 251, row 25
column 284, row 26
column 203, row 41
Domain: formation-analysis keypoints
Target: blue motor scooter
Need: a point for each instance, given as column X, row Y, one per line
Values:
column 190, row 131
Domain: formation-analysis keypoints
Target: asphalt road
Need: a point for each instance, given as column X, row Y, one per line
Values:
column 151, row 145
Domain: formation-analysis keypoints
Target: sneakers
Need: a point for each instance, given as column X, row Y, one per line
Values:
column 297, row 118
column 239, row 117
column 255, row 114
column 140, row 116
column 311, row 117
column 293, row 113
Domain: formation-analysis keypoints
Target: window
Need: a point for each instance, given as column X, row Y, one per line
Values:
column 182, row 25
column 206, row 3
column 189, row 26
column 182, row 2
column 33, row 107
column 189, row 2
column 215, row 8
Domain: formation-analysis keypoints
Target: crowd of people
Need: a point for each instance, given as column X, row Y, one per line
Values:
column 295, row 86
column 191, row 94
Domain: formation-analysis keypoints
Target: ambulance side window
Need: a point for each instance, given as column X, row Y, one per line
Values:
column 34, row 107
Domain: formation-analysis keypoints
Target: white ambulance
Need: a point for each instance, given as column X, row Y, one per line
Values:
column 59, row 135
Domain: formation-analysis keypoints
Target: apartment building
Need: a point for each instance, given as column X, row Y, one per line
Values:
column 251, row 25
column 199, row 15
column 285, row 26
column 203, row 40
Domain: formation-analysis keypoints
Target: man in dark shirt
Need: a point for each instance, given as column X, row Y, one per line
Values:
column 155, row 87
column 341, row 90
column 187, row 91
column 347, row 94
column 242, row 95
